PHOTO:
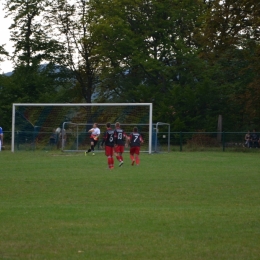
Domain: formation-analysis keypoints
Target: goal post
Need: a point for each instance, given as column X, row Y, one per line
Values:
column 34, row 124
column 162, row 134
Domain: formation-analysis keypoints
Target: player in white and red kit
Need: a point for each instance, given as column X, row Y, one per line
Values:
column 95, row 133
column 135, row 140
column 120, row 137
column 108, row 140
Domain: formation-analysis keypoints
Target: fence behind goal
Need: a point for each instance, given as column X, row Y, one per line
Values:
column 204, row 141
column 65, row 126
column 179, row 141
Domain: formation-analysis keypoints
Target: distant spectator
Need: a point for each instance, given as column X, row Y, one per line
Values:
column 248, row 139
column 255, row 139
column 1, row 138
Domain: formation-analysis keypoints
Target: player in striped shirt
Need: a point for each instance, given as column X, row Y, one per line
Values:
column 120, row 137
column 108, row 140
column 135, row 140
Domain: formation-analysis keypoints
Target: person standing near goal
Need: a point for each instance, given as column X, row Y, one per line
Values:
column 135, row 140
column 1, row 138
column 108, row 140
column 120, row 137
column 95, row 133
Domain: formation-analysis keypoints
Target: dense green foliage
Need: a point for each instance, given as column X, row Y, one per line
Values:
column 194, row 60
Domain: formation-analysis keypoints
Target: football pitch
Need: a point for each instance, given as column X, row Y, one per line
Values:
column 178, row 205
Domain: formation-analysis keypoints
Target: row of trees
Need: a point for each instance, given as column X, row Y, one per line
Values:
column 193, row 59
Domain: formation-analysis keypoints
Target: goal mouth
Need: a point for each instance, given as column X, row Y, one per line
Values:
column 39, row 126
column 81, row 138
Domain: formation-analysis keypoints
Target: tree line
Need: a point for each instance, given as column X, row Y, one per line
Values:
column 193, row 59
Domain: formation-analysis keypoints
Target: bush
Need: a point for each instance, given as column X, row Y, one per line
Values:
column 202, row 140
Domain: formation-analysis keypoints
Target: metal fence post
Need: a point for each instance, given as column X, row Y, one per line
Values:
column 18, row 136
column 223, row 140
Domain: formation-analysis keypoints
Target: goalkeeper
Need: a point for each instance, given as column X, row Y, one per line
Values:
column 95, row 133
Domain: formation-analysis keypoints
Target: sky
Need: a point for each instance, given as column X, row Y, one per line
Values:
column 5, row 66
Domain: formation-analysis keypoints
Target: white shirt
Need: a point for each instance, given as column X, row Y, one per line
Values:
column 95, row 131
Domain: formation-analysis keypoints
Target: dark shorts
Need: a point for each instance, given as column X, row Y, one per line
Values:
column 94, row 141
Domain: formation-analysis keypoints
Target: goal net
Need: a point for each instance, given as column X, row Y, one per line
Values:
column 161, row 137
column 65, row 126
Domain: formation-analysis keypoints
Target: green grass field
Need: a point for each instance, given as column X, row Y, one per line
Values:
column 190, row 205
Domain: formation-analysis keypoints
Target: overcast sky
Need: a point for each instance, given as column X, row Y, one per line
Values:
column 5, row 23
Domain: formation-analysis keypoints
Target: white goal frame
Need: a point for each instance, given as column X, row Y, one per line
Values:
column 156, row 136
column 150, row 105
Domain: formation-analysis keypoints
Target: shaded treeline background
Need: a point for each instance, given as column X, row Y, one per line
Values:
column 193, row 59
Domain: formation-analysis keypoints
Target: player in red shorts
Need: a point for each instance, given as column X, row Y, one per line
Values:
column 108, row 139
column 135, row 141
column 120, row 137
